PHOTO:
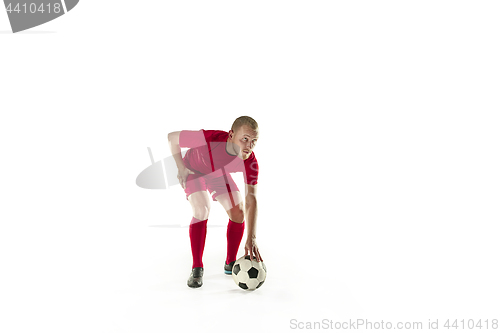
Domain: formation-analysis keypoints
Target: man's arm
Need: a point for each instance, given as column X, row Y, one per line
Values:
column 251, row 210
column 175, row 148
column 251, row 221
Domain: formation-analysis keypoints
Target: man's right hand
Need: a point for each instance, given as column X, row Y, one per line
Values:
column 182, row 176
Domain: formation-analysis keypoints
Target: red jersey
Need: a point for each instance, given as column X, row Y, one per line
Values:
column 208, row 156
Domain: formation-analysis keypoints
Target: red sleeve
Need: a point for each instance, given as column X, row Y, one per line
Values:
column 192, row 139
column 251, row 171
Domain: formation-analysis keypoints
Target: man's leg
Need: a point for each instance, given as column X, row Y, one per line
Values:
column 200, row 203
column 233, row 205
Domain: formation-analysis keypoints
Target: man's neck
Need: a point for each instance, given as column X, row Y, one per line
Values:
column 230, row 148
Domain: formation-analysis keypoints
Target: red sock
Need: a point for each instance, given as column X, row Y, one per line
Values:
column 234, row 236
column 197, row 234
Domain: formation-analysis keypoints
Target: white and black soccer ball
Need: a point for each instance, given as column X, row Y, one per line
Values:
column 249, row 275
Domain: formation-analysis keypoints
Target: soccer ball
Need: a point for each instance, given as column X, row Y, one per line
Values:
column 249, row 275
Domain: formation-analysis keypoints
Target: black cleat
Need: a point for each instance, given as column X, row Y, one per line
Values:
column 196, row 278
column 228, row 268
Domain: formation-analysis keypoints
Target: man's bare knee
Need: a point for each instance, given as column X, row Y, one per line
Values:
column 200, row 205
column 201, row 212
column 237, row 214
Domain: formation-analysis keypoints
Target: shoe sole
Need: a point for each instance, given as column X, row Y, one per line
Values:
column 228, row 272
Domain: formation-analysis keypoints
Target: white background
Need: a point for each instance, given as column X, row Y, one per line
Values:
column 379, row 184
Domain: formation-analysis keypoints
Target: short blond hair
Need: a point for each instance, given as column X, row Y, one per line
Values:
column 244, row 120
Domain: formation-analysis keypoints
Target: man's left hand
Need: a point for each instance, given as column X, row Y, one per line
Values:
column 252, row 249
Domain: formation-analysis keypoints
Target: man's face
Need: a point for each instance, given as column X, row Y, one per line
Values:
column 244, row 140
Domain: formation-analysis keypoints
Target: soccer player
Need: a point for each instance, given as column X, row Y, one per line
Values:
column 207, row 165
